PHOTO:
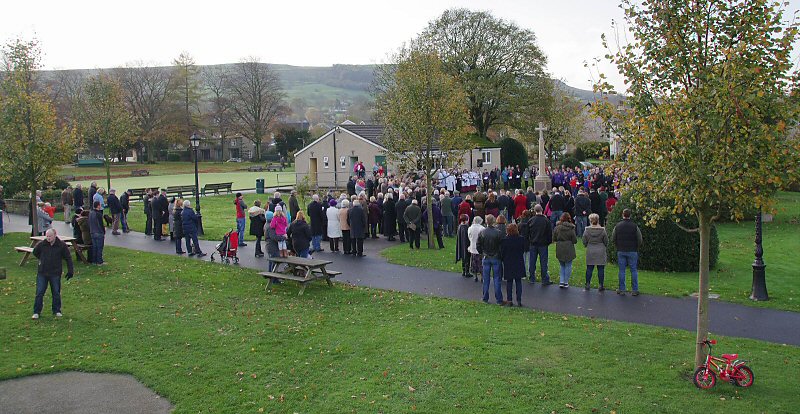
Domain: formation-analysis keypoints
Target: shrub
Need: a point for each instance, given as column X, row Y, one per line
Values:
column 512, row 152
column 666, row 247
column 173, row 156
column 597, row 150
column 570, row 162
column 580, row 155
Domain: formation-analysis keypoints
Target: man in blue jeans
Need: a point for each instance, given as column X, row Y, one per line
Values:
column 489, row 246
column 50, row 253
column 540, row 235
column 627, row 239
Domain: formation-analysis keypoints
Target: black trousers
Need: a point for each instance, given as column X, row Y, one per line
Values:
column 346, row 241
column 438, row 232
column 148, row 225
column 413, row 238
column 334, row 243
column 357, row 246
column 373, row 229
column 401, row 227
column 157, row 229
column 259, row 252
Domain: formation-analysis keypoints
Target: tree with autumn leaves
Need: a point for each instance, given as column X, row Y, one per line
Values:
column 425, row 114
column 32, row 145
column 709, row 123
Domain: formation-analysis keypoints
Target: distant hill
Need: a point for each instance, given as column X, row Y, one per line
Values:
column 323, row 86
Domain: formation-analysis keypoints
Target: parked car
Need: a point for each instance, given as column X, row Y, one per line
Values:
column 586, row 165
column 234, row 160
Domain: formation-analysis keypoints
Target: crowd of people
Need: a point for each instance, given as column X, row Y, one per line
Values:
column 495, row 229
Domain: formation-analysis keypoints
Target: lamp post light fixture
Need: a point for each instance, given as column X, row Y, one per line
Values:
column 194, row 142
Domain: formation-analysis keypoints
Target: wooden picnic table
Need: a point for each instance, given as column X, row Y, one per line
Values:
column 69, row 240
column 301, row 270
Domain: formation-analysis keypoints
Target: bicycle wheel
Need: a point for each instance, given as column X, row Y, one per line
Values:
column 704, row 378
column 743, row 376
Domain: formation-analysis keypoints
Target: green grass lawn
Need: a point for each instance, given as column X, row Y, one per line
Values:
column 208, row 338
column 732, row 279
column 240, row 179
column 123, row 170
column 219, row 214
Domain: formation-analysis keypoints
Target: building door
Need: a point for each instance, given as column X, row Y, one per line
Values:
column 353, row 162
column 381, row 160
column 312, row 171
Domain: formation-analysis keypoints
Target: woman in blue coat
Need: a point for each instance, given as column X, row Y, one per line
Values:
column 512, row 250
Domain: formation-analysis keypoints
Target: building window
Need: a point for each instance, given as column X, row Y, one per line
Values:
column 487, row 157
column 343, row 162
column 248, row 154
column 325, row 161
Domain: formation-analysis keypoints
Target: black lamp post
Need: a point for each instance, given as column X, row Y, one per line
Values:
column 194, row 141
column 759, row 291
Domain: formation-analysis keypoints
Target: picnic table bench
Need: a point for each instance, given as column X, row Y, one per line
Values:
column 300, row 270
column 140, row 173
column 70, row 241
column 180, row 189
column 217, row 187
column 274, row 167
column 254, row 168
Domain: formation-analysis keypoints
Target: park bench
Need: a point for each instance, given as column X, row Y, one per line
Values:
column 68, row 178
column 217, row 187
column 179, row 190
column 274, row 167
column 140, row 192
column 254, row 168
column 140, row 173
column 91, row 162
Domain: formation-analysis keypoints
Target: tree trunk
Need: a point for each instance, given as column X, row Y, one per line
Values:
column 258, row 149
column 34, row 216
column 702, row 295
column 108, row 168
column 429, row 205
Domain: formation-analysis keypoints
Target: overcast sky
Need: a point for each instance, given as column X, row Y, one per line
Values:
column 98, row 34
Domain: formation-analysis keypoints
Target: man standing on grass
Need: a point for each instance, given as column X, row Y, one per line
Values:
column 627, row 239
column 318, row 218
column 66, row 202
column 148, row 212
column 77, row 197
column 98, row 232
column 50, row 254
column 125, row 202
column 241, row 208
column 540, row 235
column 115, row 208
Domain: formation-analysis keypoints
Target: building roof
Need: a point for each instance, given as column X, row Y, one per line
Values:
column 372, row 133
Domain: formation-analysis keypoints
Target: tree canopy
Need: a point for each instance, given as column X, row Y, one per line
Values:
column 712, row 101
column 498, row 64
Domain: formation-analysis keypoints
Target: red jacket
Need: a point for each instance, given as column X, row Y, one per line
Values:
column 239, row 209
column 520, row 205
column 465, row 208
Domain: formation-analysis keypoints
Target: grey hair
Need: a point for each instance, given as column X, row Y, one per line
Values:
column 315, row 197
column 277, row 194
column 477, row 220
column 538, row 209
column 187, row 203
column 490, row 220
column 345, row 203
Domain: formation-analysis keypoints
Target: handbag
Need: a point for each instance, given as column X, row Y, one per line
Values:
column 547, row 211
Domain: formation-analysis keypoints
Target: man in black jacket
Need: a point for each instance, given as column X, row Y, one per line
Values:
column 77, row 196
column 400, row 210
column 358, row 227
column 557, row 206
column 125, row 202
column 50, row 254
column 627, row 239
column 148, row 212
column 540, row 235
column 160, row 207
column 98, row 233
column 115, row 208
column 583, row 207
column 318, row 223
column 489, row 246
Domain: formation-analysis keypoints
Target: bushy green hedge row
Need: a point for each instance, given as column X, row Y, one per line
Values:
column 666, row 247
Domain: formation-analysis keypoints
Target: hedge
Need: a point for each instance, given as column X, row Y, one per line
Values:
column 666, row 247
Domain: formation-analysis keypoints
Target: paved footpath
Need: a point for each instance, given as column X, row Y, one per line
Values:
column 373, row 271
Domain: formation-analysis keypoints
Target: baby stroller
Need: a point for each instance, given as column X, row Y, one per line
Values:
column 228, row 248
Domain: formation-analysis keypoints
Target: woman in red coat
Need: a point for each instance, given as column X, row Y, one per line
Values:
column 520, row 204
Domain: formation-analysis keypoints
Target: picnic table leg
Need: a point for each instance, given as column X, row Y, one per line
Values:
column 269, row 283
column 24, row 259
column 302, row 288
column 327, row 276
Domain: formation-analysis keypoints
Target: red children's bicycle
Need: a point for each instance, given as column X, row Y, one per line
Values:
column 729, row 368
